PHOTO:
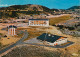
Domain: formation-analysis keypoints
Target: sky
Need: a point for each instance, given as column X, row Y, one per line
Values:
column 57, row 4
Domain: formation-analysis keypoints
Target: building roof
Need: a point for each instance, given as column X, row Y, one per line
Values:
column 48, row 37
column 38, row 19
column 12, row 26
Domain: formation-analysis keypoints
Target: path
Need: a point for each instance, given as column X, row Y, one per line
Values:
column 18, row 42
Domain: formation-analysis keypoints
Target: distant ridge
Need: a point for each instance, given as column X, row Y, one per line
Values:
column 29, row 7
column 74, row 7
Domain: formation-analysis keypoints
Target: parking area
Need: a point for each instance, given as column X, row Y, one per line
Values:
column 36, row 42
column 33, row 40
column 64, row 45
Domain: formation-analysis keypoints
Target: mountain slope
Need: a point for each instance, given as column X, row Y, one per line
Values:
column 28, row 7
column 74, row 7
column 12, row 11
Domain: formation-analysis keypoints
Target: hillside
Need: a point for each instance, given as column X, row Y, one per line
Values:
column 56, row 20
column 34, row 51
column 74, row 7
column 29, row 9
column 42, row 51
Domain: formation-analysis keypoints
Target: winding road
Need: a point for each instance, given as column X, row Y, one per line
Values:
column 25, row 36
column 18, row 42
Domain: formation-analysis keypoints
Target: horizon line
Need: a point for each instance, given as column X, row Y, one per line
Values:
column 6, row 5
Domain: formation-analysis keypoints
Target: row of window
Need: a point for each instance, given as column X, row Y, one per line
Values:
column 60, row 40
column 37, row 24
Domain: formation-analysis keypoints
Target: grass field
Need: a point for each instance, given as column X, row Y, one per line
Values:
column 34, row 51
column 59, row 19
column 33, row 32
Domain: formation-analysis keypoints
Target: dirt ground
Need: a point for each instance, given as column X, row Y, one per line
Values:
column 5, row 40
column 74, row 48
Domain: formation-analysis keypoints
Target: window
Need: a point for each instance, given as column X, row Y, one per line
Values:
column 63, row 39
column 60, row 40
column 44, row 22
column 56, row 41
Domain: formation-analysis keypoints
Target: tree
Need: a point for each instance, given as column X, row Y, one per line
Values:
column 13, row 14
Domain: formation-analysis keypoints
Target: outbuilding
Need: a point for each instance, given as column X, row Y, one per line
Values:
column 12, row 30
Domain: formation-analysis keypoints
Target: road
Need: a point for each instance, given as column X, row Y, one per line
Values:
column 57, row 46
column 25, row 36
column 18, row 42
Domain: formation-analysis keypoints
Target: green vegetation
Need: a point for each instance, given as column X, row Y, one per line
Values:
column 1, row 34
column 13, row 14
column 56, row 20
column 0, row 44
column 9, row 14
column 33, row 32
column 29, row 12
column 12, row 11
column 74, row 7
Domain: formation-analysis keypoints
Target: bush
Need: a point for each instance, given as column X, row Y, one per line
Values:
column 60, row 26
column 71, row 28
column 0, row 44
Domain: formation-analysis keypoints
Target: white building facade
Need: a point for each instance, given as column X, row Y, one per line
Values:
column 38, row 22
column 12, row 30
column 52, row 39
column 59, row 42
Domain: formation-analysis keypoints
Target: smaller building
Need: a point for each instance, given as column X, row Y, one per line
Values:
column 52, row 39
column 12, row 30
column 38, row 22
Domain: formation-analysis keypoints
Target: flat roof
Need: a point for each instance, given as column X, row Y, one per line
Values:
column 38, row 19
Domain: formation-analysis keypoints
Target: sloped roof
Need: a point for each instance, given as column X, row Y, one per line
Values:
column 46, row 37
column 38, row 19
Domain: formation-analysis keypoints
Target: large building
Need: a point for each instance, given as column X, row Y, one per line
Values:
column 12, row 30
column 52, row 39
column 38, row 22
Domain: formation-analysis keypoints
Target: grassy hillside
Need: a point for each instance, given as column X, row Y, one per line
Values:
column 28, row 7
column 75, row 7
column 33, row 51
column 12, row 11
column 59, row 19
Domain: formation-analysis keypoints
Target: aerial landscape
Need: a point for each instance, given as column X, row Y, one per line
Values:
column 40, row 28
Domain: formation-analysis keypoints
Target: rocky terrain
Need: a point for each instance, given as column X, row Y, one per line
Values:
column 71, row 27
